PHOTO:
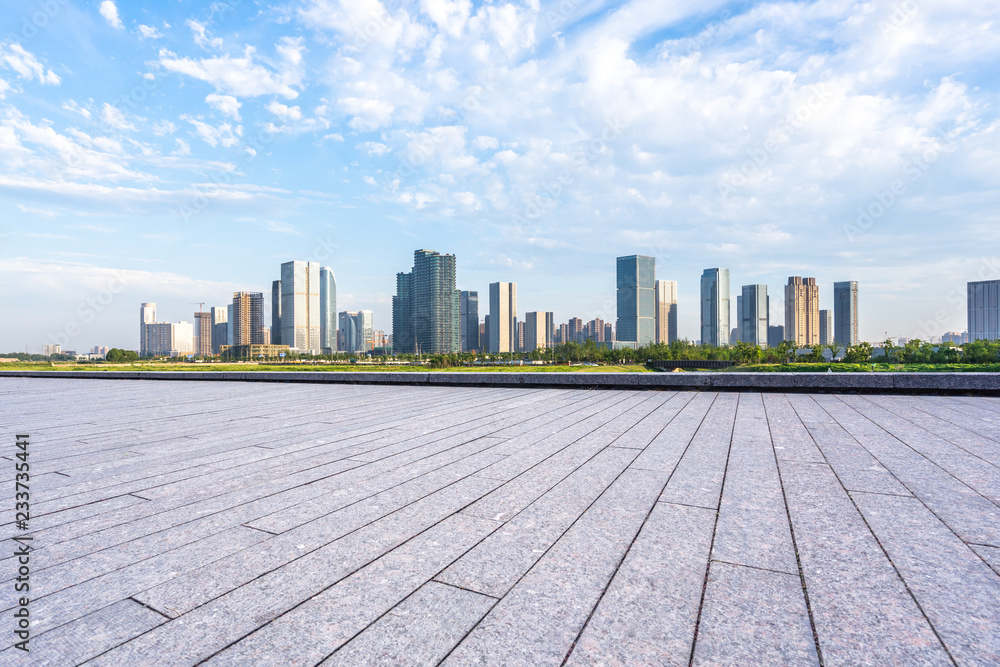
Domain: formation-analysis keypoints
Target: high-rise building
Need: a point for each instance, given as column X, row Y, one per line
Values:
column 802, row 311
column 753, row 307
column 666, row 311
column 562, row 334
column 327, row 310
column 356, row 331
column 484, row 332
column 775, row 335
column 147, row 315
column 984, row 310
column 220, row 327
column 594, row 330
column 609, row 333
column 826, row 327
column 956, row 337
column 175, row 339
column 574, row 330
column 203, row 334
column 845, row 313
column 300, row 306
column 503, row 317
column 230, row 326
column 426, row 310
column 715, row 329
column 276, row 312
column 538, row 331
column 49, row 349
column 247, row 322
column 636, row 299
column 469, row 324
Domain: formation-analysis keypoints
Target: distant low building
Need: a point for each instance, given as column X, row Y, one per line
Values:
column 253, row 351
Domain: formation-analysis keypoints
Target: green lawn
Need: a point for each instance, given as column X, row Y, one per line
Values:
column 254, row 367
column 866, row 368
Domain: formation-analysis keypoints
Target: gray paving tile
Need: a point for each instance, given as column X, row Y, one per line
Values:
column 648, row 614
column 791, row 438
column 697, row 479
column 862, row 610
column 87, row 637
column 989, row 554
column 421, row 630
column 314, row 630
column 538, row 620
column 957, row 591
column 497, row 563
column 753, row 617
column 669, row 445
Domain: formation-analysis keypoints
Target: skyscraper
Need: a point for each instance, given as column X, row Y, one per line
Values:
column 775, row 335
column 276, row 312
column 754, row 305
column 537, row 331
column 984, row 310
column 356, row 331
column 300, row 306
column 503, row 317
column 230, row 328
column 666, row 311
column 247, row 323
column 825, row 327
column 220, row 327
column 636, row 299
column 327, row 310
column 147, row 316
column 426, row 309
column 845, row 313
column 715, row 328
column 203, row 334
column 802, row 311
column 469, row 325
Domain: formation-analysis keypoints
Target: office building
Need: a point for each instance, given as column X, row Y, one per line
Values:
column 147, row 315
column 356, row 331
column 753, row 307
column 220, row 328
column 636, row 278
column 229, row 326
column 300, row 306
column 247, row 322
column 174, row 339
column 275, row 313
column 426, row 311
column 775, row 335
column 469, row 321
column 574, row 330
column 609, row 333
column 52, row 349
column 484, row 332
column 203, row 334
column 826, row 327
column 539, row 331
column 802, row 311
column 715, row 328
column 845, row 313
column 327, row 310
column 984, row 310
column 666, row 311
column 503, row 317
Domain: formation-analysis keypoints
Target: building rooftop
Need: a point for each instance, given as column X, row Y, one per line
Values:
column 257, row 523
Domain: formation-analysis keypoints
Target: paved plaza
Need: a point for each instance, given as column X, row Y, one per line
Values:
column 236, row 523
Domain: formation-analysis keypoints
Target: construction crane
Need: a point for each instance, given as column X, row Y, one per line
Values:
column 200, row 304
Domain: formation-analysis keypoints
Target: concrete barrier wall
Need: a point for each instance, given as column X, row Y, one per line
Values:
column 882, row 383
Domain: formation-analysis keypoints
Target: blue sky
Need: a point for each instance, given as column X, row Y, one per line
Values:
column 176, row 151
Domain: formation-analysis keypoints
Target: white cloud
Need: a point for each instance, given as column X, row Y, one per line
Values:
column 48, row 214
column 115, row 118
column 110, row 13
column 14, row 57
column 163, row 128
column 212, row 135
column 199, row 31
column 373, row 148
column 284, row 112
column 225, row 104
column 4, row 87
column 183, row 148
column 485, row 143
column 240, row 76
column 71, row 105
column 149, row 32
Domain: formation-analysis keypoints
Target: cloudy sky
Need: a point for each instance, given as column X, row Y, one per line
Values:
column 174, row 152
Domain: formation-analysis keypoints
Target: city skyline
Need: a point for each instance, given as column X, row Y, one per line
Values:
column 837, row 158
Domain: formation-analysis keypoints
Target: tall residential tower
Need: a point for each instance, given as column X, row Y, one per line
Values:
column 845, row 313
